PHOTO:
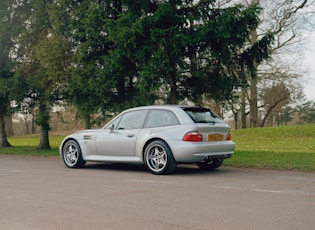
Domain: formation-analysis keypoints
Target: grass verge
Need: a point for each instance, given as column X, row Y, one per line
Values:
column 26, row 145
column 280, row 148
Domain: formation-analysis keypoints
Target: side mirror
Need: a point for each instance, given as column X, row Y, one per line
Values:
column 111, row 129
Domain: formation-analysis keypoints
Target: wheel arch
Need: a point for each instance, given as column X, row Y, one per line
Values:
column 72, row 162
column 70, row 139
column 160, row 164
column 150, row 141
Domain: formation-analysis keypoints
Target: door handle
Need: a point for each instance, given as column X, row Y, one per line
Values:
column 130, row 135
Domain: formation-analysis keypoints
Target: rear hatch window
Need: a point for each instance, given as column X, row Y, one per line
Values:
column 202, row 115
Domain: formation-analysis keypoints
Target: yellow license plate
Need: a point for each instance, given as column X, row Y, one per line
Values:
column 215, row 137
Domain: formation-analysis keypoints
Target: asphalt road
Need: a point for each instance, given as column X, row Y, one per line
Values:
column 41, row 193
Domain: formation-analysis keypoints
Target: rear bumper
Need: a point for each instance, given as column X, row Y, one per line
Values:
column 192, row 152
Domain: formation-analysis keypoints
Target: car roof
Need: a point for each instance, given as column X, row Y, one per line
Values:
column 168, row 106
column 177, row 109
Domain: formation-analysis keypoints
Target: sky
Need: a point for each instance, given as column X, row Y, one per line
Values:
column 309, row 62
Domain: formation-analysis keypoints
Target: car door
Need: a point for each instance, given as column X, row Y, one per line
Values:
column 121, row 139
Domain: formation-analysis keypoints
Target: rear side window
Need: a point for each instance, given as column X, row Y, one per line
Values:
column 158, row 118
column 202, row 115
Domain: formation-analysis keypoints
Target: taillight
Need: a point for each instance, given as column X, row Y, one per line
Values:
column 192, row 136
column 228, row 136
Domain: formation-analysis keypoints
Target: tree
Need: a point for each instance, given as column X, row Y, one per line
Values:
column 191, row 50
column 81, row 24
column 43, row 60
column 101, row 80
column 277, row 96
column 305, row 111
column 286, row 115
column 4, row 107
column 8, row 32
column 103, row 56
column 289, row 22
column 309, row 112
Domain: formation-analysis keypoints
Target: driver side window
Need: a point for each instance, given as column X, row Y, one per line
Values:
column 132, row 120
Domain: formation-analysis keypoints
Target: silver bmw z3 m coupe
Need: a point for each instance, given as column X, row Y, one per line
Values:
column 160, row 137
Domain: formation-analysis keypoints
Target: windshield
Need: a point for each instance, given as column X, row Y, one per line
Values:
column 202, row 115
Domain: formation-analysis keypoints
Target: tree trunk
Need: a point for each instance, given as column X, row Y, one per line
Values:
column 33, row 126
column 9, row 126
column 253, row 87
column 235, row 120
column 3, row 135
column 27, row 125
column 243, row 109
column 87, row 121
column 44, row 138
column 253, row 103
column 44, row 128
column 173, row 94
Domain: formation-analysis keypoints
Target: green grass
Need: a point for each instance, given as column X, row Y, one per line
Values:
column 284, row 148
column 281, row 148
column 26, row 145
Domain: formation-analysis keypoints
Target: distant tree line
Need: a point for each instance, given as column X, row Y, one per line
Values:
column 102, row 56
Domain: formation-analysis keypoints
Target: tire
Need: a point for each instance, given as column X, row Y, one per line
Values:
column 159, row 158
column 210, row 165
column 72, row 155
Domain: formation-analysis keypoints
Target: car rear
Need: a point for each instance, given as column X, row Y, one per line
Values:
column 207, row 137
